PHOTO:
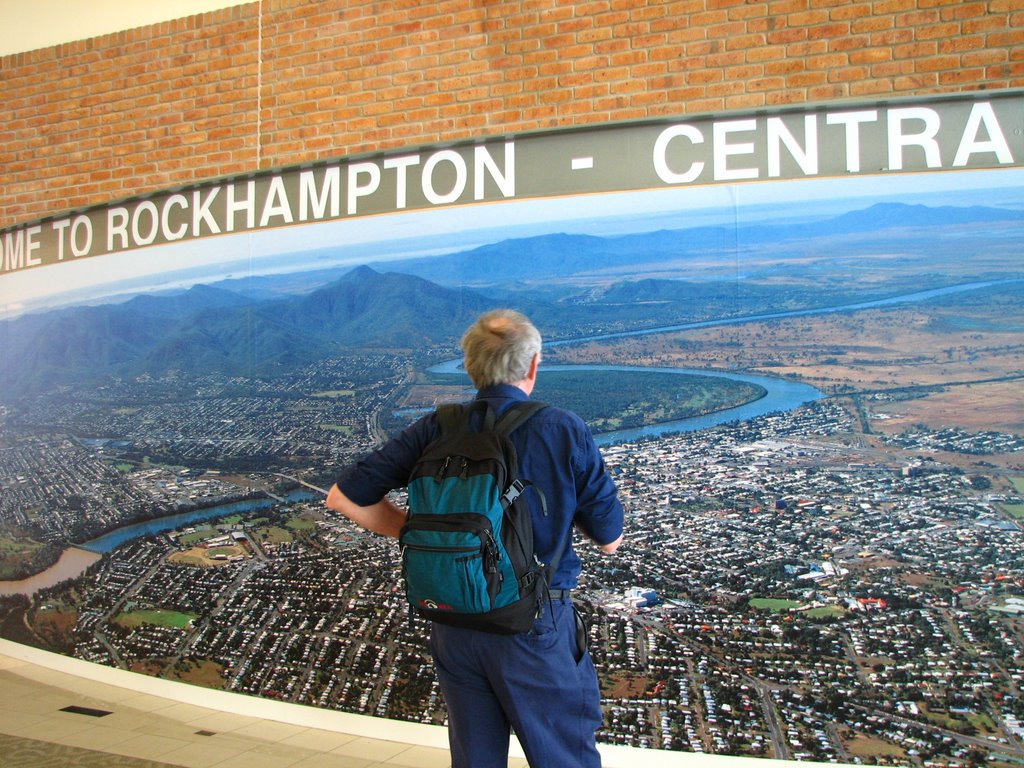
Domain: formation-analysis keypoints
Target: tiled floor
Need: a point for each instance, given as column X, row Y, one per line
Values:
column 58, row 712
column 117, row 727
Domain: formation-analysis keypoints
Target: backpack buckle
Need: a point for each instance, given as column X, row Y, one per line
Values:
column 513, row 492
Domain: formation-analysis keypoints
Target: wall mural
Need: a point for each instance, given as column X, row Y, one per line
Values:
column 808, row 386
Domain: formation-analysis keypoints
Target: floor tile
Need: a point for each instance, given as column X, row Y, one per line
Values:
column 253, row 760
column 93, row 738
column 183, row 713
column 197, row 754
column 148, row 746
column 221, row 722
column 335, row 761
column 323, row 741
column 267, row 730
column 371, row 749
column 145, row 730
column 421, row 757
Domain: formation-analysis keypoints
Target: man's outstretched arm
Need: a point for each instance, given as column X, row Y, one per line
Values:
column 384, row 517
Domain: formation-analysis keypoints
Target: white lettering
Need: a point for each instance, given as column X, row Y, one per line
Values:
column 81, row 223
column 174, row 201
column 982, row 114
column 148, row 207
column 852, row 121
column 924, row 139
column 661, row 166
column 60, row 226
column 14, row 250
column 444, row 156
column 117, row 224
column 201, row 212
column 506, row 180
column 18, row 247
column 806, row 157
column 357, row 190
column 33, row 245
column 401, row 165
column 723, row 150
column 277, row 203
column 246, row 205
column 328, row 194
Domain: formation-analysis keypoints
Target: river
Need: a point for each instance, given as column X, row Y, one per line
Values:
column 780, row 395
column 111, row 541
column 75, row 560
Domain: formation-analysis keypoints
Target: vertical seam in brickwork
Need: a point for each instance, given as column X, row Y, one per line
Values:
column 259, row 85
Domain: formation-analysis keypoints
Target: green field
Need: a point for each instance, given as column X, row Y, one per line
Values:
column 1016, row 510
column 18, row 556
column 343, row 428
column 824, row 612
column 20, row 546
column 157, row 617
column 773, row 604
column 201, row 533
column 335, row 393
column 611, row 400
column 273, row 535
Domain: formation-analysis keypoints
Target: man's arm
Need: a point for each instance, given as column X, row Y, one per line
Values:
column 384, row 517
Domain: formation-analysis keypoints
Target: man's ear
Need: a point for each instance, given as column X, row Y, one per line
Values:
column 534, row 365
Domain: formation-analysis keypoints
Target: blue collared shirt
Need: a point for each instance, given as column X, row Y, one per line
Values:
column 556, row 453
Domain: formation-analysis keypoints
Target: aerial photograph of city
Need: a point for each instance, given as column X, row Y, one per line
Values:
column 810, row 394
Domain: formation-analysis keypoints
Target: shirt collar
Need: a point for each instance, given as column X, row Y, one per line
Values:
column 501, row 391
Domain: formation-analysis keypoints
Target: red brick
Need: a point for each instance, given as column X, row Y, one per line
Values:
column 136, row 111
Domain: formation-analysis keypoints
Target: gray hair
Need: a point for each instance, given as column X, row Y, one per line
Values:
column 499, row 347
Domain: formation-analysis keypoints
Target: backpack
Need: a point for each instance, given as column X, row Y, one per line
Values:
column 467, row 548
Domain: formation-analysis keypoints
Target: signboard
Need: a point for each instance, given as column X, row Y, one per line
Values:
column 981, row 130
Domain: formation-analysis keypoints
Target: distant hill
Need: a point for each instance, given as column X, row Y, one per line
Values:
column 561, row 255
column 891, row 215
column 195, row 299
column 209, row 330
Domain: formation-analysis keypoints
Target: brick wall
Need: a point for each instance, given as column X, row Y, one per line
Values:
column 283, row 82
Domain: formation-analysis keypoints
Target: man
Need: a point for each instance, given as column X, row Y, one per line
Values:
column 540, row 683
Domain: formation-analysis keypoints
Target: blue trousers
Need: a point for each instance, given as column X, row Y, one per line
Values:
column 535, row 683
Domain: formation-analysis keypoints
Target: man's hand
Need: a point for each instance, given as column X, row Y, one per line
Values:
column 611, row 547
column 383, row 517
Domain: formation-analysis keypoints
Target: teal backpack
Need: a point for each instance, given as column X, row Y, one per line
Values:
column 467, row 548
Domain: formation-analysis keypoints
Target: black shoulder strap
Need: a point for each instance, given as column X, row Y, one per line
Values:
column 450, row 417
column 512, row 418
column 516, row 414
column 453, row 417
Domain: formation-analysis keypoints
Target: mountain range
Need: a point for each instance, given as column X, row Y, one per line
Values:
column 208, row 329
column 561, row 255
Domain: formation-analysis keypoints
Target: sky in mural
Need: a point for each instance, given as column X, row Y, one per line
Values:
column 375, row 239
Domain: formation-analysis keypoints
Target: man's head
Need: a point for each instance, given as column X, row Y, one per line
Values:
column 501, row 347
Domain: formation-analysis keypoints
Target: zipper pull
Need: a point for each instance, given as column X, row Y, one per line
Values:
column 443, row 469
column 493, row 554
